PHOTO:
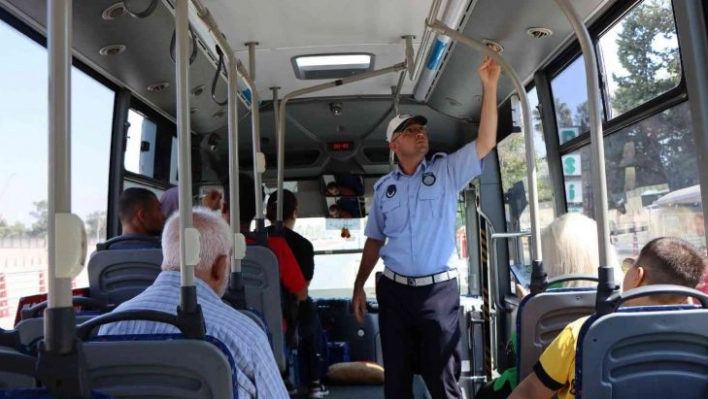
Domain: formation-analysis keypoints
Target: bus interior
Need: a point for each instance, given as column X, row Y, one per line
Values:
column 314, row 85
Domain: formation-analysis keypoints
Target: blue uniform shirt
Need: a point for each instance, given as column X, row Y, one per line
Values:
column 417, row 213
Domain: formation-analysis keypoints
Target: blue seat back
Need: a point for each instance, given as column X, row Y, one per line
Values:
column 116, row 276
column 644, row 352
column 9, row 381
column 261, row 277
column 543, row 316
column 161, row 365
column 39, row 393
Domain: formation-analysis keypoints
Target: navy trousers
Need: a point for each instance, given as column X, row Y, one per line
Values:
column 420, row 334
column 309, row 329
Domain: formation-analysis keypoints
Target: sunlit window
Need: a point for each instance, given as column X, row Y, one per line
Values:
column 652, row 182
column 24, row 166
column 641, row 56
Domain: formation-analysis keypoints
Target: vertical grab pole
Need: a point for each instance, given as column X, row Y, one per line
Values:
column 275, row 90
column 252, row 58
column 235, row 294
column 234, row 205
column 59, row 42
column 486, row 303
column 189, row 238
column 606, row 285
column 528, row 131
column 258, row 160
column 596, row 137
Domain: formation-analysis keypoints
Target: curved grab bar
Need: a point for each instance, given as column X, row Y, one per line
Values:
column 102, row 246
column 530, row 152
column 193, row 56
column 84, row 329
column 142, row 14
column 617, row 299
column 219, row 66
column 573, row 277
column 596, row 139
column 34, row 310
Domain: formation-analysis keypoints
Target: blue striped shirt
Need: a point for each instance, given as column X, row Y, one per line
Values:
column 258, row 374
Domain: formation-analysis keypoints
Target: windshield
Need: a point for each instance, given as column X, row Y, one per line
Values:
column 335, row 272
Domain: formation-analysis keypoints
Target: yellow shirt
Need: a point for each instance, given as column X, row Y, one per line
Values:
column 556, row 367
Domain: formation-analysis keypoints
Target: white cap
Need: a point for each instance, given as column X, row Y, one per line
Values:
column 400, row 121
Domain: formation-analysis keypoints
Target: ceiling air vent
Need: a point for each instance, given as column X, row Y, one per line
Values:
column 117, row 10
column 113, row 49
column 539, row 33
column 157, row 87
column 197, row 91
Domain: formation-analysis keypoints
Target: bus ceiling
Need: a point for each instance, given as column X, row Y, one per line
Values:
column 376, row 29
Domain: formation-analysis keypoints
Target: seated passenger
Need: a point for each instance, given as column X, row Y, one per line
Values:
column 309, row 326
column 291, row 277
column 170, row 201
column 258, row 374
column 569, row 246
column 661, row 261
column 140, row 215
column 292, row 282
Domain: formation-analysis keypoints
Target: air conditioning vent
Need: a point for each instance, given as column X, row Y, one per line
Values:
column 113, row 49
column 539, row 33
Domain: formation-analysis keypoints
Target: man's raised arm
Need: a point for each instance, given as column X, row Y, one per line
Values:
column 487, row 138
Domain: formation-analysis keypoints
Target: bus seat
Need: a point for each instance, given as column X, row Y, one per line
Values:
column 10, row 380
column 32, row 330
column 261, row 278
column 644, row 352
column 363, row 339
column 117, row 276
column 541, row 317
column 167, row 366
column 40, row 393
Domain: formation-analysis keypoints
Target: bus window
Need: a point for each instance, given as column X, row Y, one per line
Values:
column 570, row 100
column 335, row 272
column 24, row 166
column 337, row 262
column 140, row 145
column 512, row 166
column 652, row 182
column 651, row 26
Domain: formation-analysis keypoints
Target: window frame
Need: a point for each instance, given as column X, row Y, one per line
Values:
column 161, row 175
column 654, row 106
column 661, row 103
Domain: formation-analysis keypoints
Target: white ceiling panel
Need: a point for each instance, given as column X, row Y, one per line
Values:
column 319, row 27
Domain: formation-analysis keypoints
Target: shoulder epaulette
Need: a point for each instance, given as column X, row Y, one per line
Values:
column 382, row 180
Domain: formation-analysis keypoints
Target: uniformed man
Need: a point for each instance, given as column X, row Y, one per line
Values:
column 414, row 209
